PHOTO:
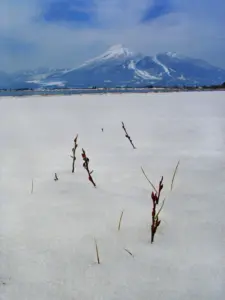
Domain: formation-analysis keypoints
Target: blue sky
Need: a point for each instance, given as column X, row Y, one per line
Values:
column 64, row 33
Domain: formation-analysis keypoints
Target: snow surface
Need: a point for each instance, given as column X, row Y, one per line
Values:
column 47, row 249
column 50, row 83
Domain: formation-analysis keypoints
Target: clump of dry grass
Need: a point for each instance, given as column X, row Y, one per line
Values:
column 156, row 193
column 155, row 216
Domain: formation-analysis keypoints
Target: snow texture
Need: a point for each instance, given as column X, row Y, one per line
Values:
column 47, row 249
column 166, row 70
column 140, row 73
column 173, row 54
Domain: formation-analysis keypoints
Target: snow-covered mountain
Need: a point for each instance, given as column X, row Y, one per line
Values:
column 119, row 66
column 109, row 69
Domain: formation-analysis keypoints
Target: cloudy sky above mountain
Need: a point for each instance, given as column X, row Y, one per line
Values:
column 64, row 33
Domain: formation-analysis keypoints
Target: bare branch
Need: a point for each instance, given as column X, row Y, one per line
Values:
column 74, row 153
column 86, row 166
column 127, row 135
column 131, row 254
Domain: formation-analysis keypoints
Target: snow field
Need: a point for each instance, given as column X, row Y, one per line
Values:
column 47, row 248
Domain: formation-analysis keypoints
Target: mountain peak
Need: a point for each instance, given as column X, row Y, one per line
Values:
column 116, row 47
column 119, row 49
column 115, row 52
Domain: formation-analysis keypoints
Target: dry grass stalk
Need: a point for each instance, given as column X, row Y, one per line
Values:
column 152, row 185
column 97, row 252
column 120, row 220
column 159, row 211
column 155, row 216
column 127, row 135
column 73, row 156
column 174, row 174
column 32, row 186
column 131, row 254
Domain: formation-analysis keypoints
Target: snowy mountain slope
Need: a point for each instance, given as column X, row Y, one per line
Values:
column 47, row 237
column 166, row 70
column 39, row 75
column 28, row 78
column 112, row 67
column 191, row 69
column 119, row 66
column 142, row 74
column 116, row 52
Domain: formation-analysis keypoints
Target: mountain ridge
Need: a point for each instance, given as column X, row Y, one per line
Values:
column 119, row 66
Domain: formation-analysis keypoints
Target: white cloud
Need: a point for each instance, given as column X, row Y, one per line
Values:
column 192, row 29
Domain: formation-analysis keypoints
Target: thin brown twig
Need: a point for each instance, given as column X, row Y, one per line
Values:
column 73, row 156
column 131, row 254
column 127, row 135
column 86, row 166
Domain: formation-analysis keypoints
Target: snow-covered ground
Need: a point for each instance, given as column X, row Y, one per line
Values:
column 47, row 249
